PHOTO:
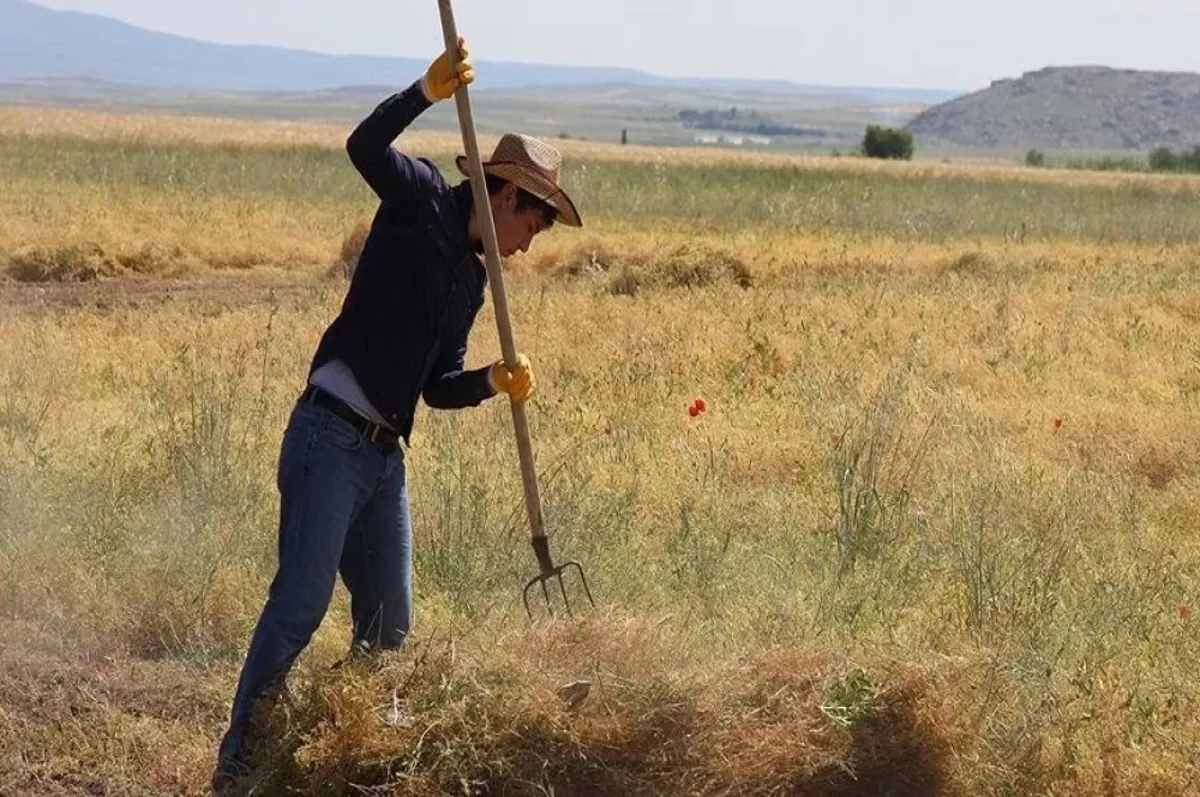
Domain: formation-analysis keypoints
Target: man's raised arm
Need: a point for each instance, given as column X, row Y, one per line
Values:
column 393, row 176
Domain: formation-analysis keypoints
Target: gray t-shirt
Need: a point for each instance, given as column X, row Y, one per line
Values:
column 336, row 377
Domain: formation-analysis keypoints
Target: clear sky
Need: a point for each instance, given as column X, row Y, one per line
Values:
column 950, row 44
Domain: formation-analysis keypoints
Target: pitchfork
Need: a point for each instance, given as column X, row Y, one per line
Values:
column 483, row 209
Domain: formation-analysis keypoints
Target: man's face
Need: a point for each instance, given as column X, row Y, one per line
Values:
column 515, row 229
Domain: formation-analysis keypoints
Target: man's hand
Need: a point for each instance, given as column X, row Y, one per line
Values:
column 518, row 383
column 441, row 81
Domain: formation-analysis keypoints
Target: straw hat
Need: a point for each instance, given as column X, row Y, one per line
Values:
column 533, row 165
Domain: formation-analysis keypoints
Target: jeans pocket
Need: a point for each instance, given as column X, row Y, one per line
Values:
column 341, row 434
column 303, row 430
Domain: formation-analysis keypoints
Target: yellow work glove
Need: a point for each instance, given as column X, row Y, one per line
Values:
column 518, row 383
column 441, row 81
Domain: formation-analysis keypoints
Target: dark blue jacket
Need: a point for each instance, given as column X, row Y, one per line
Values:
column 418, row 285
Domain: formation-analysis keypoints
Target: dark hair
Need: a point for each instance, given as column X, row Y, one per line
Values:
column 525, row 200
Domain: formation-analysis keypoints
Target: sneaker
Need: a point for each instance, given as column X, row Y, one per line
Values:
column 359, row 650
column 222, row 783
column 225, row 776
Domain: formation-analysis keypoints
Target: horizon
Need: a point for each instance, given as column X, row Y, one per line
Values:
column 1121, row 30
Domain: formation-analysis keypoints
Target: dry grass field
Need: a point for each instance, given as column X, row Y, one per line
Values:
column 934, row 534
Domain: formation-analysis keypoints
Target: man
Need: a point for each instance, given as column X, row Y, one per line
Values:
column 401, row 336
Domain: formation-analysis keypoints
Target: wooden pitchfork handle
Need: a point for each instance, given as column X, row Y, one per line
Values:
column 491, row 247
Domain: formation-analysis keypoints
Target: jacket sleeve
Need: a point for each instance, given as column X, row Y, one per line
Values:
column 449, row 387
column 393, row 176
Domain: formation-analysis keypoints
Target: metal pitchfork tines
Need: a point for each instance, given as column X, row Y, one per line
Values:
column 483, row 210
column 541, row 547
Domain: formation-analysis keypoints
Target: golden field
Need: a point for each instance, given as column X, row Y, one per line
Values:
column 934, row 533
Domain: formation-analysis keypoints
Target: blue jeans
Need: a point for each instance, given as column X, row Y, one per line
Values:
column 343, row 509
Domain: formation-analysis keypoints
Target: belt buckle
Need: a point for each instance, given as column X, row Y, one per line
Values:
column 376, row 431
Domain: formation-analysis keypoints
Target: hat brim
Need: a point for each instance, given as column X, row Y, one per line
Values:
column 534, row 183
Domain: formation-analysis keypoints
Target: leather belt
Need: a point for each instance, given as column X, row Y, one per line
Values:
column 368, row 429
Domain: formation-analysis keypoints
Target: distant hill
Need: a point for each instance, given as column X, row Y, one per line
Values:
column 38, row 44
column 1070, row 108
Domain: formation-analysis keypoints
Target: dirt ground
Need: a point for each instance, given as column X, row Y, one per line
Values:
column 212, row 291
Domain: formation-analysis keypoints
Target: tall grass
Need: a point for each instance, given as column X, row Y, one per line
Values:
column 199, row 188
column 838, row 500
column 933, row 530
